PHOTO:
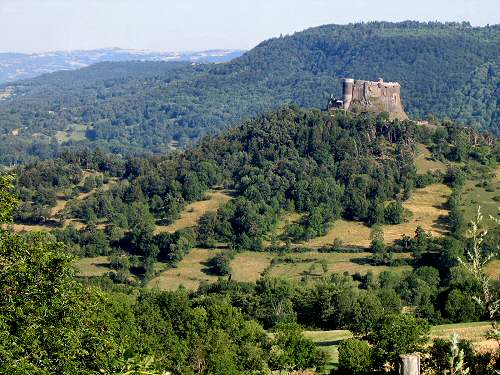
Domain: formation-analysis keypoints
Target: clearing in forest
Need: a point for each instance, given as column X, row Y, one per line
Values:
column 74, row 132
column 92, row 267
column 194, row 269
column 61, row 204
column 426, row 205
column 295, row 266
column 249, row 265
column 193, row 211
column 484, row 193
column 190, row 272
column 425, row 163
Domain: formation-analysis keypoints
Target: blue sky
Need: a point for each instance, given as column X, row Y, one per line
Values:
column 175, row 25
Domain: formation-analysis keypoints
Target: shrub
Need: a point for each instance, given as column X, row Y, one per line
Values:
column 355, row 357
column 220, row 264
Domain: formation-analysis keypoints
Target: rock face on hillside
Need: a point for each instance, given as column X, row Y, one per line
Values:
column 361, row 96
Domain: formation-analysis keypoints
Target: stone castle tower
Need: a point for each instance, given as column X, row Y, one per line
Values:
column 360, row 96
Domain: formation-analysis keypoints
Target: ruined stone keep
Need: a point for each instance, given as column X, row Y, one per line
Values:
column 359, row 96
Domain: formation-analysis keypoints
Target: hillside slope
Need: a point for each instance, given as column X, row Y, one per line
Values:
column 449, row 70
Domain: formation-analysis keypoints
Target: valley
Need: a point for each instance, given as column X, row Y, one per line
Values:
column 278, row 211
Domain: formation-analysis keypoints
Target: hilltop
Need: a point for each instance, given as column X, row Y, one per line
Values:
column 296, row 216
column 448, row 70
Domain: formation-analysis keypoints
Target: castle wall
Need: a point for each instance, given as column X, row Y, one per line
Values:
column 374, row 97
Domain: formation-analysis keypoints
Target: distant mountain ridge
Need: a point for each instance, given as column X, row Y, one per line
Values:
column 445, row 70
column 17, row 66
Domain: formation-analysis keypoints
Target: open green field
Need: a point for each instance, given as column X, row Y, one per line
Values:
column 91, row 267
column 295, row 266
column 249, row 266
column 329, row 342
column 487, row 196
column 193, row 211
column 426, row 205
column 475, row 332
column 74, row 132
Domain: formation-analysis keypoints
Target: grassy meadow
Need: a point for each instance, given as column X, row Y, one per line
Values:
column 475, row 332
column 193, row 211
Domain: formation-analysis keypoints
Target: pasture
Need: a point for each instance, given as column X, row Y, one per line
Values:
column 193, row 211
column 484, row 193
column 426, row 205
column 424, row 161
column 475, row 332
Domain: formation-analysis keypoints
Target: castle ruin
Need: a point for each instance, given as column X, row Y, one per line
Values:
column 360, row 96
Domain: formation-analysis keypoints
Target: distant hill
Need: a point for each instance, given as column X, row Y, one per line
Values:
column 17, row 66
column 447, row 70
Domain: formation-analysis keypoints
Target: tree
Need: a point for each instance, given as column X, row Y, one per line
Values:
column 292, row 351
column 398, row 334
column 8, row 203
column 394, row 213
column 221, row 263
column 366, row 314
column 475, row 265
column 49, row 322
column 355, row 357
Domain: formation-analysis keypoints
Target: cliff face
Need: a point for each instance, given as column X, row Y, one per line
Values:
column 373, row 97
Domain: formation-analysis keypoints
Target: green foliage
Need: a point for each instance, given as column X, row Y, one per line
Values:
column 49, row 323
column 8, row 202
column 398, row 334
column 292, row 351
column 355, row 357
column 221, row 263
column 394, row 213
column 451, row 70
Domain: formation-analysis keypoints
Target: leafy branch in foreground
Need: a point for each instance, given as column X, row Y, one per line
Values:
column 475, row 265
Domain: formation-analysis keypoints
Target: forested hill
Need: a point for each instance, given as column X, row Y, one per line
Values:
column 286, row 163
column 448, row 70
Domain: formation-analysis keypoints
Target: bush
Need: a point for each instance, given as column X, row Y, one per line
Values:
column 119, row 263
column 394, row 213
column 220, row 264
column 355, row 357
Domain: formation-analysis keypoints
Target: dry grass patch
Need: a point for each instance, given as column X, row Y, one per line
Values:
column 91, row 267
column 493, row 269
column 30, row 228
column 309, row 263
column 193, row 211
column 351, row 233
column 424, row 162
column 248, row 266
column 425, row 204
column 190, row 272
column 427, row 207
column 474, row 332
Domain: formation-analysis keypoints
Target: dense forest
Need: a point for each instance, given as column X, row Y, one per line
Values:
column 288, row 160
column 446, row 70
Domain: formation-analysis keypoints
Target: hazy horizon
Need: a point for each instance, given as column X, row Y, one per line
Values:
column 36, row 26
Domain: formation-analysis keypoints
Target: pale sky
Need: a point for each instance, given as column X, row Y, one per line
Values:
column 186, row 25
